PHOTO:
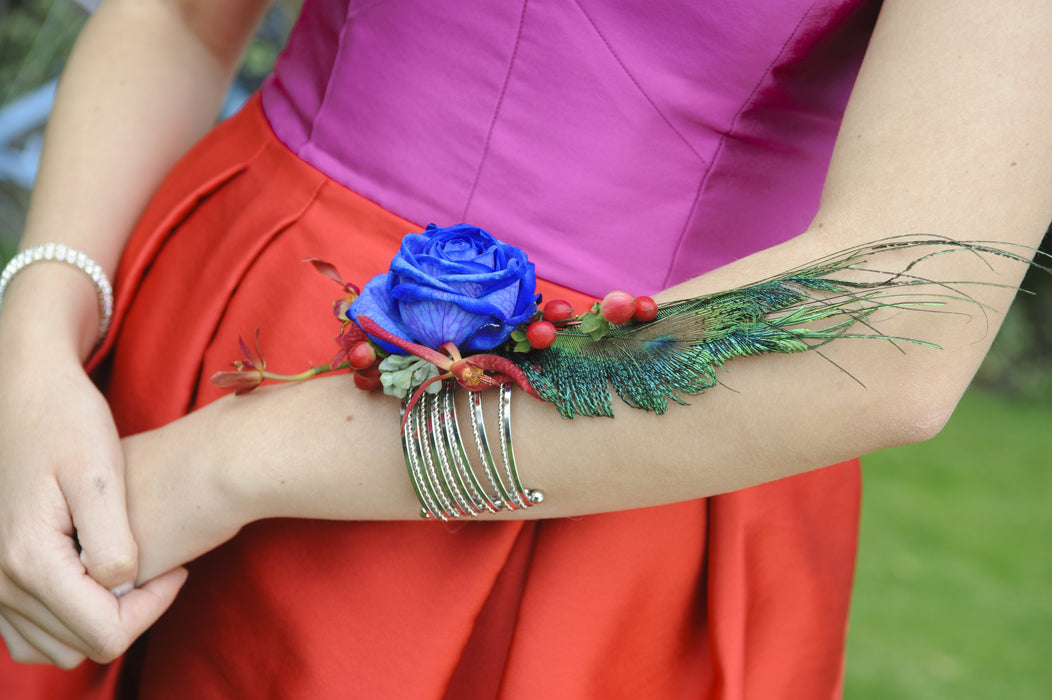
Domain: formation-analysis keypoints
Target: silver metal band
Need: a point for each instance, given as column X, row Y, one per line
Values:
column 442, row 476
column 453, row 438
column 58, row 252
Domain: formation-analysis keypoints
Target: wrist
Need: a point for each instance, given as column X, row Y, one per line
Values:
column 183, row 499
column 50, row 306
column 226, row 462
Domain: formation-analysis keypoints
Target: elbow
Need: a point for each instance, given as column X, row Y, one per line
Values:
column 918, row 416
column 923, row 425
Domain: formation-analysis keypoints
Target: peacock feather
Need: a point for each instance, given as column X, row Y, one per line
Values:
column 679, row 353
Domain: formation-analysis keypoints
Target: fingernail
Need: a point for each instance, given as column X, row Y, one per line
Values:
column 122, row 590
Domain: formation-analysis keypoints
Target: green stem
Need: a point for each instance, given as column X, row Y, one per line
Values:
column 312, row 372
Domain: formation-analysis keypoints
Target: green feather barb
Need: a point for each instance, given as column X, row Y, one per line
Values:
column 679, row 353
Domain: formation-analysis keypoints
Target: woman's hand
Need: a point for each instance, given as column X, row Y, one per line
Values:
column 144, row 81
column 65, row 540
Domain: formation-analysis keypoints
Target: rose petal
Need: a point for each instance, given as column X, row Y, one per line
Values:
column 407, row 293
column 376, row 302
column 434, row 322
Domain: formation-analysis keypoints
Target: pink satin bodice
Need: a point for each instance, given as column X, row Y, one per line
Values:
column 623, row 145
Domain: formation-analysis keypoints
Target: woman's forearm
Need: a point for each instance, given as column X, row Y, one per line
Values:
column 144, row 81
column 944, row 136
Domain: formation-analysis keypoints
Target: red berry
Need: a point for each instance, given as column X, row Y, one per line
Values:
column 361, row 356
column 367, row 383
column 617, row 307
column 370, row 372
column 557, row 310
column 540, row 334
column 646, row 309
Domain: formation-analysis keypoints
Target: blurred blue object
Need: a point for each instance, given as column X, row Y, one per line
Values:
column 22, row 123
column 22, row 133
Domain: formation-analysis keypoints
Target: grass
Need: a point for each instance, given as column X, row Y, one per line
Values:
column 953, row 597
column 8, row 248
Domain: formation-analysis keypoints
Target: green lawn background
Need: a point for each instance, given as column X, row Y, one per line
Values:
column 953, row 596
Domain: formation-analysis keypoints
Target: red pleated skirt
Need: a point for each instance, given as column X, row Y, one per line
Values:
column 743, row 595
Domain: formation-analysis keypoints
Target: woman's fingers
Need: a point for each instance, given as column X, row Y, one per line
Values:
column 100, row 515
column 51, row 593
column 105, row 624
column 30, row 618
column 28, row 644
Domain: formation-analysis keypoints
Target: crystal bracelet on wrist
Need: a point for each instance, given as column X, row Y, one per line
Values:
column 57, row 252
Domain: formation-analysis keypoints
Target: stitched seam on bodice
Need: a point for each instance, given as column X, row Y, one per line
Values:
column 350, row 14
column 639, row 86
column 496, row 113
column 329, row 85
column 723, row 140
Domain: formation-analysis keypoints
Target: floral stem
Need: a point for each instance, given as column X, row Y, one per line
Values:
column 312, row 372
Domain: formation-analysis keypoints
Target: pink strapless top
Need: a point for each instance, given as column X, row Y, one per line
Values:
column 694, row 132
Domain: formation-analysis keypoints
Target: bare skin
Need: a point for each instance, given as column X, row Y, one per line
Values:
column 945, row 135
column 145, row 81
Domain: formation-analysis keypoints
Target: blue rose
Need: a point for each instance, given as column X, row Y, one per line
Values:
column 457, row 284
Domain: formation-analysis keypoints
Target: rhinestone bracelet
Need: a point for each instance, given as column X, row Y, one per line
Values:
column 58, row 252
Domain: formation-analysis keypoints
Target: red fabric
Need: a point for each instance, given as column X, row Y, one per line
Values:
column 86, row 682
column 739, row 596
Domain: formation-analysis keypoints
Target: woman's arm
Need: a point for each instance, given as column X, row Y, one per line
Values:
column 145, row 80
column 946, row 134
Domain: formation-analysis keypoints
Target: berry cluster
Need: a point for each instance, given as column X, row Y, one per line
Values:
column 358, row 354
column 362, row 359
column 615, row 309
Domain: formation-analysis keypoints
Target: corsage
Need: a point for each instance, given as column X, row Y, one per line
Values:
column 458, row 310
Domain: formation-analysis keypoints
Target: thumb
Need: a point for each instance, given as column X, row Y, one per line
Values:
column 142, row 606
column 99, row 509
column 137, row 611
